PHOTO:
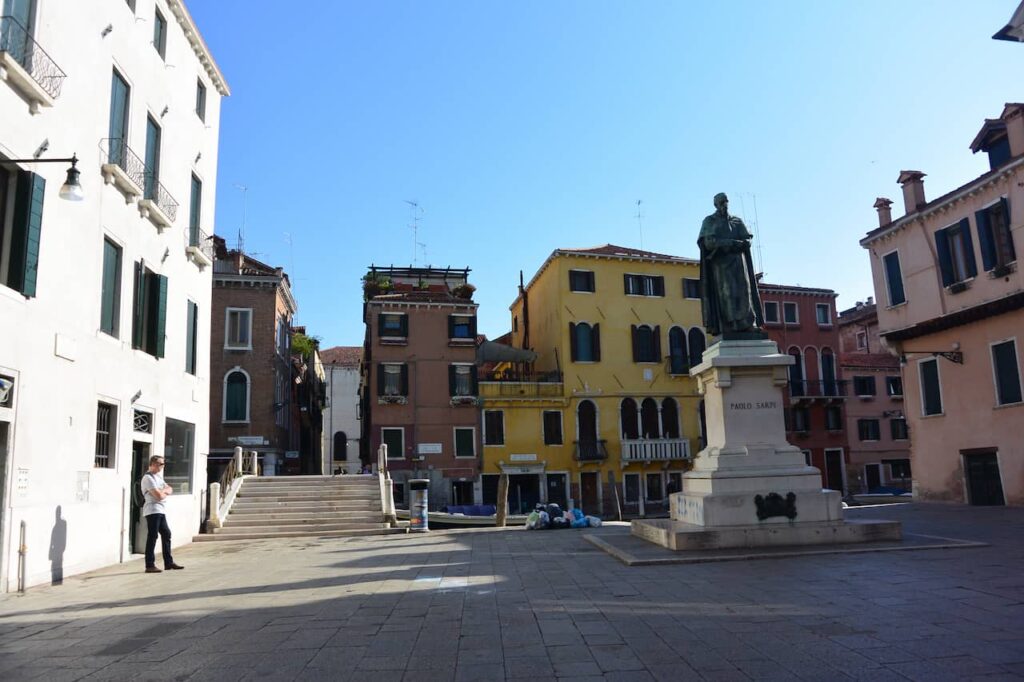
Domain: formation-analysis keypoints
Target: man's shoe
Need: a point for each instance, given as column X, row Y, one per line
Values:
column 153, row 569
column 174, row 567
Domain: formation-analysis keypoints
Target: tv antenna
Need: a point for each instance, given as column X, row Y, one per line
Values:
column 756, row 227
column 241, row 232
column 415, row 211
column 640, row 222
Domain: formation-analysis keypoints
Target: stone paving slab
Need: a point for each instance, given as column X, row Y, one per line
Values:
column 510, row 604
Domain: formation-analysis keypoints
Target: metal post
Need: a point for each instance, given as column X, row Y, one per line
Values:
column 502, row 501
column 22, row 552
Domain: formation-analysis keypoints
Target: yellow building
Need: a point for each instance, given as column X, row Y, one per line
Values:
column 607, row 414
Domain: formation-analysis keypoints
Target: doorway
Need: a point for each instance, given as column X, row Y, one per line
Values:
column 590, row 496
column 873, row 476
column 523, row 493
column 462, row 493
column 834, row 470
column 4, row 432
column 136, row 529
column 984, row 485
column 556, row 490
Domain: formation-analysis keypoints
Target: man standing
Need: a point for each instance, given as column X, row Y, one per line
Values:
column 156, row 491
column 730, row 301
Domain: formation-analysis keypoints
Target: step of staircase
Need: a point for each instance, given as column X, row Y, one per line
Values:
column 315, row 528
column 267, row 535
column 250, row 520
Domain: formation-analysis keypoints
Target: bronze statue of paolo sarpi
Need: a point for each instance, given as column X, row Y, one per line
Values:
column 729, row 298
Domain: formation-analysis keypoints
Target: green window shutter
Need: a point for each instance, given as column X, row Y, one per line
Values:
column 985, row 241
column 138, row 306
column 451, row 326
column 110, row 303
column 160, row 321
column 451, row 380
column 380, row 325
column 1011, row 251
column 403, row 325
column 472, row 328
column 195, row 211
column 595, row 335
column 635, row 333
column 657, row 343
column 945, row 257
column 405, row 380
column 474, row 382
column 191, row 310
column 573, row 353
column 972, row 263
column 28, row 221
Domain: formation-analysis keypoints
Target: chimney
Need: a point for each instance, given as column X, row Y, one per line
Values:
column 913, row 189
column 871, row 300
column 1013, row 115
column 882, row 205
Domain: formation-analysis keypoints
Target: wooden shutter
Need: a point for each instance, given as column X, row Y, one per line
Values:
column 573, row 353
column 659, row 286
column 138, row 306
column 160, row 319
column 986, row 241
column 451, row 379
column 28, row 222
column 472, row 328
column 380, row 325
column 945, row 258
column 474, row 381
column 451, row 326
column 403, row 325
column 657, row 343
column 1011, row 251
column 380, row 378
column 635, row 333
column 405, row 379
column 625, row 284
column 972, row 264
column 595, row 336
column 190, row 337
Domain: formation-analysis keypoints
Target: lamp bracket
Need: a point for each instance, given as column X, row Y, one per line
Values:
column 954, row 356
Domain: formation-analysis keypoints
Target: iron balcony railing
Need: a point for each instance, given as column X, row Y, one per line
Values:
column 16, row 41
column 655, row 450
column 590, row 451
column 830, row 388
column 119, row 154
column 512, row 375
column 519, row 389
column 201, row 241
column 154, row 191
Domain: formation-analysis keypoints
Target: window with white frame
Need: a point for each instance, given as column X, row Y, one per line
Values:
column 894, row 386
column 106, row 435
column 691, row 288
column 392, row 379
column 631, row 488
column 238, row 329
column 653, row 488
column 823, row 313
column 465, row 441
column 931, row 389
column 461, row 379
column 771, row 312
column 898, row 428
column 1006, row 372
column 868, row 429
column 790, row 315
column 893, row 278
column 394, row 438
column 581, row 280
column 236, row 395
column 862, row 340
column 994, row 236
column 644, row 285
column 494, row 427
column 552, row 427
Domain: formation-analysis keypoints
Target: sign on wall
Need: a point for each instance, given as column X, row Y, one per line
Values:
column 428, row 449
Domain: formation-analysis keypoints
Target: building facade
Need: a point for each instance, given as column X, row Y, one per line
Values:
column 606, row 418
column 419, row 385
column 110, row 295
column 342, row 424
column 879, row 440
column 950, row 297
column 802, row 321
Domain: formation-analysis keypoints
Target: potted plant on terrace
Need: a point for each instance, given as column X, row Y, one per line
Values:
column 464, row 291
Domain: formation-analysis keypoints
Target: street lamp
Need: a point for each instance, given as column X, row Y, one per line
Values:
column 71, row 190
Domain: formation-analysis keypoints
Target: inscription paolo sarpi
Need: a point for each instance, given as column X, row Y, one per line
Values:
column 763, row 405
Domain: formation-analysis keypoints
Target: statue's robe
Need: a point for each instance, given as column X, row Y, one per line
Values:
column 729, row 297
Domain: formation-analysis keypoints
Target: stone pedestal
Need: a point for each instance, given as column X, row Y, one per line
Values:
column 749, row 487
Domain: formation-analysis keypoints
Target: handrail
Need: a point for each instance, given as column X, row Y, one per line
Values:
column 16, row 41
column 118, row 153
column 154, row 191
column 200, row 240
column 829, row 388
column 387, row 497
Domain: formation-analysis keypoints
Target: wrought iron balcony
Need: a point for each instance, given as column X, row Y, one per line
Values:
column 511, row 384
column 828, row 389
column 200, row 247
column 153, row 190
column 19, row 52
column 590, row 451
column 123, row 168
column 655, row 450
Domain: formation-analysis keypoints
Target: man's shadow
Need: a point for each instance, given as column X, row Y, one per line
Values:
column 58, row 542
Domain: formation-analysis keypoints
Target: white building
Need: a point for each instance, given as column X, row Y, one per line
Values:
column 106, row 301
column 342, row 427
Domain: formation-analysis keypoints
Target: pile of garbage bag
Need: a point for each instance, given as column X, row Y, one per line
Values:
column 551, row 516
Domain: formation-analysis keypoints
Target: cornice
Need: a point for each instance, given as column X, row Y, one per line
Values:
column 195, row 39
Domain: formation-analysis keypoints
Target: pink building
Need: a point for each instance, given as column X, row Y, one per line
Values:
column 950, row 298
column 879, row 441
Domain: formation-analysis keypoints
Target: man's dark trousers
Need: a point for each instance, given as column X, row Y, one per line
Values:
column 158, row 524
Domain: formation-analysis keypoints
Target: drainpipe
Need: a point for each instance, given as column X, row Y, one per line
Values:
column 121, row 511
column 22, row 551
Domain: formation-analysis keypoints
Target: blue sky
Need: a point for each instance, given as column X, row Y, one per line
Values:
column 521, row 127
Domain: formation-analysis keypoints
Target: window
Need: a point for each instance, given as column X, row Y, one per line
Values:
column 1006, row 370
column 152, row 173
column 110, row 290
column 195, row 211
column 956, row 253
column 862, row 340
column 801, row 420
column 236, row 395
column 200, row 100
column 789, row 313
column 691, row 288
column 21, row 221
column 462, row 327
column 465, row 442
column 461, row 380
column 394, row 439
column 340, row 452
column 494, row 427
column 149, row 319
column 160, row 34
column 653, row 488
column 994, row 236
column 650, row 427
column 678, row 358
column 771, row 312
column 893, row 278
column 117, row 149
column 644, row 285
column 670, row 418
column 630, row 419
column 833, row 418
column 697, row 342
column 398, row 492
column 931, row 393
column 581, row 280
column 898, row 428
column 898, row 468
column 828, row 373
column 392, row 379
column 393, row 326
column 631, row 488
column 646, row 343
column 823, row 314
column 894, row 386
column 284, row 337
column 552, row 427
column 868, row 429
column 584, row 342
column 191, row 336
column 238, row 329
column 142, row 421
column 864, row 386
column 179, row 446
column 106, row 435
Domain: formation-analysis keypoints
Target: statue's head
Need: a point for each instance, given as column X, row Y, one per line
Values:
column 721, row 201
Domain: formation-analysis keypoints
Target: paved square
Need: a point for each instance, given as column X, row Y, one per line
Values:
column 512, row 604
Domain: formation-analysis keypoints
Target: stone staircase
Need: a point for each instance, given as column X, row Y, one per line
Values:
column 303, row 506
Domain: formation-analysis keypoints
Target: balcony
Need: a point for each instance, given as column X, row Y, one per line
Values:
column 200, row 248
column 662, row 450
column 123, row 168
column 816, row 390
column 157, row 204
column 26, row 66
column 511, row 385
column 590, row 451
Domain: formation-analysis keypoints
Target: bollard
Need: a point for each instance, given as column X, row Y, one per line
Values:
column 502, row 502
column 22, row 552
column 215, row 505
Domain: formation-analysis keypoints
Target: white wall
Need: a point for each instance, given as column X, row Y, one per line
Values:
column 341, row 415
column 53, row 420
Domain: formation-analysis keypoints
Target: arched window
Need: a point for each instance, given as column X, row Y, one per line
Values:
column 650, row 428
column 697, row 345
column 646, row 346
column 628, row 416
column 236, row 396
column 587, row 447
column 677, row 351
column 796, row 373
column 670, row 418
column 585, row 342
column 340, row 447
column 828, row 372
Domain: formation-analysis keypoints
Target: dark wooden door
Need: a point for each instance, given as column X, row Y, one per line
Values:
column 523, row 493
column 140, row 465
column 556, row 490
column 984, row 486
column 834, row 470
column 873, row 476
column 589, row 498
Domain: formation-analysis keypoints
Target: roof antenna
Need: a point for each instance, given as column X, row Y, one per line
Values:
column 241, row 232
column 415, row 212
column 640, row 222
